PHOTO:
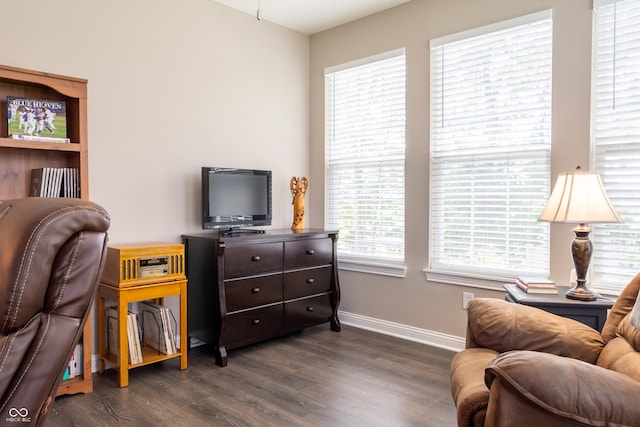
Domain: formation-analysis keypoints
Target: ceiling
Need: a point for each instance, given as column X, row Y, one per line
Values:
column 311, row 16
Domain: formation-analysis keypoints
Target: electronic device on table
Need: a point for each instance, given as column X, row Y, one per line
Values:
column 132, row 264
column 235, row 198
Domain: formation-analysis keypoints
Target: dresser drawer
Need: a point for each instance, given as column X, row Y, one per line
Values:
column 303, row 283
column 252, row 259
column 246, row 293
column 302, row 313
column 308, row 253
column 251, row 326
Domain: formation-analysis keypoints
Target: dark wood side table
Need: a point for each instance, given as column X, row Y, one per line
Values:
column 591, row 313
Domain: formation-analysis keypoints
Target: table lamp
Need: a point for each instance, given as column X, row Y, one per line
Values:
column 579, row 198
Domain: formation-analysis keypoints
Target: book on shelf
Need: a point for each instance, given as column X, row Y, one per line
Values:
column 54, row 182
column 133, row 335
column 536, row 285
column 74, row 368
column 158, row 325
column 36, row 119
column 133, row 332
column 111, row 314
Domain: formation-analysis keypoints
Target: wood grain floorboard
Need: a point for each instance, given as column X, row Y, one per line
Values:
column 314, row 378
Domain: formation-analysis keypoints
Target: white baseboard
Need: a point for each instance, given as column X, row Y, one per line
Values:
column 423, row 336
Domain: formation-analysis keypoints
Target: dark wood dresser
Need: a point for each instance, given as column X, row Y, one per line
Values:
column 248, row 288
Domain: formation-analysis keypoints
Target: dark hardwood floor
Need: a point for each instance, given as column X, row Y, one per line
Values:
column 312, row 378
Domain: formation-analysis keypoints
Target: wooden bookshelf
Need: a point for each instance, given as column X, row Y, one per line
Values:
column 18, row 158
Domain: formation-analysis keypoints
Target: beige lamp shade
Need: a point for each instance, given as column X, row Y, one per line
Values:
column 579, row 198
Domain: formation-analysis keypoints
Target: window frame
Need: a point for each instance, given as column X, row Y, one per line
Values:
column 366, row 263
column 464, row 275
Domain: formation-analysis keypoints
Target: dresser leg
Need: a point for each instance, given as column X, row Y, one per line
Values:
column 335, row 324
column 221, row 356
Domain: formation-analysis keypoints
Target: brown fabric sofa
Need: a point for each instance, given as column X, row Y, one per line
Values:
column 526, row 367
column 52, row 253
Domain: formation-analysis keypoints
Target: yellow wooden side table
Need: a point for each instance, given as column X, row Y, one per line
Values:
column 123, row 296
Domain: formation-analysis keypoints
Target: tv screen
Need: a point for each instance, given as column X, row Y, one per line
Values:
column 233, row 198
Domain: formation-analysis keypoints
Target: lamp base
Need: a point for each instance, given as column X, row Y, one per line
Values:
column 581, row 249
column 582, row 293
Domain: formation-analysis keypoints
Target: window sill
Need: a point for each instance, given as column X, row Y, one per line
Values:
column 373, row 267
column 469, row 279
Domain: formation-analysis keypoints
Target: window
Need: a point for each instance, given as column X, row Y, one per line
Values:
column 490, row 152
column 616, row 139
column 365, row 161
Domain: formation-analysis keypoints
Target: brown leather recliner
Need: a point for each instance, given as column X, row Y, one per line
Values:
column 52, row 253
column 523, row 366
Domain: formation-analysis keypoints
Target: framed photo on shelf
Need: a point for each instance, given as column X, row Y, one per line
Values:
column 35, row 119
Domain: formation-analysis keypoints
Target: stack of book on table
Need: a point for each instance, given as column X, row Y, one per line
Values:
column 536, row 285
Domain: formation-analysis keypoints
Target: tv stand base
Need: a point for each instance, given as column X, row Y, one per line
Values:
column 235, row 231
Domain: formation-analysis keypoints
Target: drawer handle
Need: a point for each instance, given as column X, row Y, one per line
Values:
column 256, row 321
column 255, row 258
column 310, row 252
column 255, row 290
column 310, row 308
column 311, row 280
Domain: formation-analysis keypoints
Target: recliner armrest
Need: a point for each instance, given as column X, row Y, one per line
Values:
column 561, row 388
column 503, row 326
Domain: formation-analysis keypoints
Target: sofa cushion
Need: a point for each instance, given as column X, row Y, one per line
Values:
column 629, row 332
column 618, row 355
column 503, row 326
column 623, row 305
column 575, row 391
column 622, row 353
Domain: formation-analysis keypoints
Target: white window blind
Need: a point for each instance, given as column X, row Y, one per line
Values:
column 616, row 140
column 365, row 157
column 490, row 149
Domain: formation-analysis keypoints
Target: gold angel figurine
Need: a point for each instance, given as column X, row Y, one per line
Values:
column 298, row 189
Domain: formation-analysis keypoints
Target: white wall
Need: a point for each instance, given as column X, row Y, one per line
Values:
column 173, row 86
column 413, row 302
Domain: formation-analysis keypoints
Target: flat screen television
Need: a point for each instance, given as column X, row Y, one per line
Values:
column 235, row 198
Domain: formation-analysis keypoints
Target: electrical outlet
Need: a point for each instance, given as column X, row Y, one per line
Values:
column 466, row 297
